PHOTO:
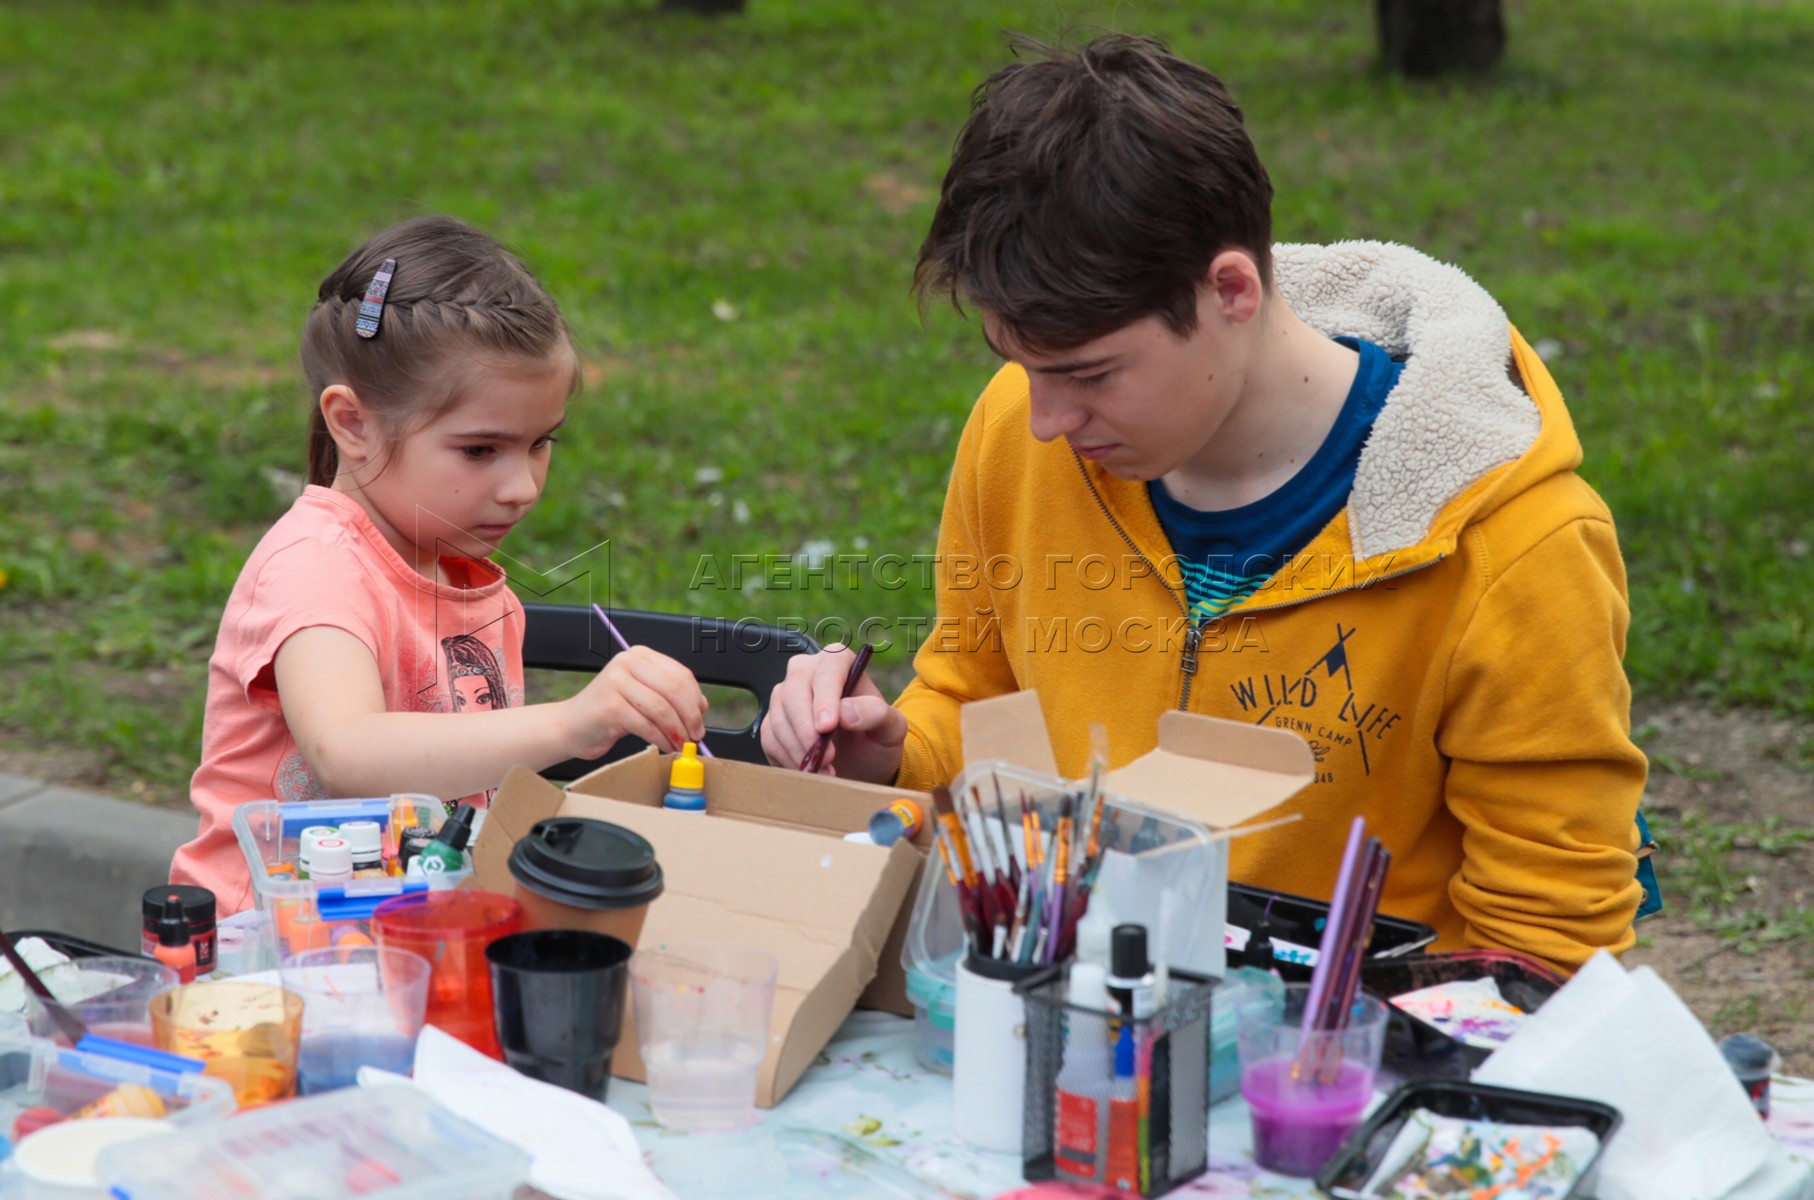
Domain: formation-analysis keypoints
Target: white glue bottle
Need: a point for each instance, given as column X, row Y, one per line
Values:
column 1081, row 1120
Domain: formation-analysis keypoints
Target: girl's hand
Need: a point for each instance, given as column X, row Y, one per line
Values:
column 639, row 692
column 868, row 732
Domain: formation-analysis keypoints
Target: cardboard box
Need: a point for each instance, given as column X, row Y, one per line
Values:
column 766, row 865
column 1218, row 773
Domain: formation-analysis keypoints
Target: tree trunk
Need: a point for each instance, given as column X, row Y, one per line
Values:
column 1420, row 39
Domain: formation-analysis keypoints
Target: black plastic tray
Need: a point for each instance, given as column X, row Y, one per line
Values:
column 1415, row 1049
column 1345, row 1174
column 71, row 945
column 1299, row 919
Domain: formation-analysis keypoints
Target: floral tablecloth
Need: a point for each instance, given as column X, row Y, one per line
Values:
column 868, row 1121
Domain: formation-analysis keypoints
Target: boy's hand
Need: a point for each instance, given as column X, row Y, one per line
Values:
column 869, row 730
column 639, row 692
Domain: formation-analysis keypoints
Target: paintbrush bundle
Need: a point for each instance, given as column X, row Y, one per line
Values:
column 1023, row 868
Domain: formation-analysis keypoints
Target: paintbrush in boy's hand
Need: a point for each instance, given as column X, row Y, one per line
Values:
column 810, row 764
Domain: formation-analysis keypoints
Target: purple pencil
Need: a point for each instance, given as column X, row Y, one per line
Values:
column 1328, row 959
column 623, row 645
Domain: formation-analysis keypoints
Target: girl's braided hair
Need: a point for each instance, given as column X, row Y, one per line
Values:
column 456, row 296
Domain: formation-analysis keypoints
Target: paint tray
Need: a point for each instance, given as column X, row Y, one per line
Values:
column 1354, row 1164
column 1416, row 1049
column 1293, row 925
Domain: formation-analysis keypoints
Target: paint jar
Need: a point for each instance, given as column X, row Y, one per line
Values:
column 198, row 908
column 306, row 841
column 367, row 841
column 1752, row 1059
column 899, row 821
column 415, row 839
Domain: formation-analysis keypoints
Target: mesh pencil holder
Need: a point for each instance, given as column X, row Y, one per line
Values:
column 1145, row 1135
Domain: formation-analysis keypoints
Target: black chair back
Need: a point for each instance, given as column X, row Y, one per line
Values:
column 741, row 654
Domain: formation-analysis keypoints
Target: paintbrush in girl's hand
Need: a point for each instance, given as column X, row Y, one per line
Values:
column 618, row 640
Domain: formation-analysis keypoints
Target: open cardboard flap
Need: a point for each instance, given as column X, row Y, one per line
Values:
column 764, row 866
column 1217, row 773
column 1214, row 771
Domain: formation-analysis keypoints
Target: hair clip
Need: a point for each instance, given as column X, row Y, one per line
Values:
column 371, row 309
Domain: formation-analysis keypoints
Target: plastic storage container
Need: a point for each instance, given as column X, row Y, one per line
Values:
column 303, row 916
column 1415, row 1049
column 934, row 1000
column 37, row 1074
column 1294, row 926
column 1242, row 989
column 1347, row 1173
column 1150, row 855
column 387, row 1143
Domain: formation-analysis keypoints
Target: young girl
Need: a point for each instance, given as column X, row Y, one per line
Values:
column 369, row 646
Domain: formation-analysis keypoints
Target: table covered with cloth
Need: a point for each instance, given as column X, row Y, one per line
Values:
column 867, row 1120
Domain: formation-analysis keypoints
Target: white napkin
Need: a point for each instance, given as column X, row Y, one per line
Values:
column 67, row 980
column 1626, row 1039
column 579, row 1149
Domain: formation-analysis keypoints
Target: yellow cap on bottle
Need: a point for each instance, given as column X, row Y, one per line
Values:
column 688, row 770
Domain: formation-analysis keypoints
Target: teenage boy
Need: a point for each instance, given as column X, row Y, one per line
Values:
column 1326, row 488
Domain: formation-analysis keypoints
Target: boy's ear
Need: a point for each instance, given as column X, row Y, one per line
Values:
column 351, row 424
column 1233, row 279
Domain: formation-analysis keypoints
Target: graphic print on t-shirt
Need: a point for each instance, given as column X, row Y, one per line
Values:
column 1323, row 706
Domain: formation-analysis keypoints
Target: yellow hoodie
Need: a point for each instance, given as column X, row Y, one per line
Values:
column 1450, row 644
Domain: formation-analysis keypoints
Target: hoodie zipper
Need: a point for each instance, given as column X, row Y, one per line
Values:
column 1193, row 637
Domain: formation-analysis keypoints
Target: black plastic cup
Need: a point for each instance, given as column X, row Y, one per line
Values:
column 558, row 998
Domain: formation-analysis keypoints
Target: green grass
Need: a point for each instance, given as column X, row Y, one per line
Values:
column 1713, row 873
column 1632, row 185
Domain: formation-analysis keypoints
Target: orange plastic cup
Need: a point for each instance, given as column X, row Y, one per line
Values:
column 244, row 1033
column 451, row 930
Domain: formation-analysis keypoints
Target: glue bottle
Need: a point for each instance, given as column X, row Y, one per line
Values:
column 1095, row 931
column 1080, row 1130
column 686, row 782
column 445, row 854
column 174, row 949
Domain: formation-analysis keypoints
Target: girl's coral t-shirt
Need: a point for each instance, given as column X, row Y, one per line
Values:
column 439, row 647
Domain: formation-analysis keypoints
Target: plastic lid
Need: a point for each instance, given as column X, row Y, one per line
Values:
column 198, row 902
column 1089, row 986
column 1127, row 952
column 173, row 923
column 332, row 857
column 1748, row 1054
column 456, row 831
column 587, row 863
column 308, row 839
column 366, row 839
column 688, row 771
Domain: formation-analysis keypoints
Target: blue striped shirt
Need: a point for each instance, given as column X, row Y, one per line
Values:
column 1226, row 556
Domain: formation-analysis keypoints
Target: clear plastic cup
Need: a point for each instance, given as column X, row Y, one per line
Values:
column 244, row 1033
column 112, row 995
column 702, row 1024
column 1307, row 1091
column 360, row 1007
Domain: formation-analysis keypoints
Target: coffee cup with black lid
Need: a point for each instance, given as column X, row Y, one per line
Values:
column 579, row 873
